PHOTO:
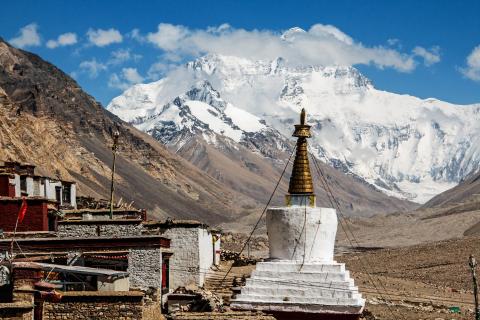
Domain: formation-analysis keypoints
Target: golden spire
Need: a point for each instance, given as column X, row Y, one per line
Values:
column 301, row 178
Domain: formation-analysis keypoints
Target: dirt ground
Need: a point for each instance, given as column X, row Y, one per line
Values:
column 421, row 282
column 425, row 281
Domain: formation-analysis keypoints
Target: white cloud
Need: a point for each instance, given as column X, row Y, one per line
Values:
column 127, row 78
column 135, row 35
column 28, row 36
column 169, row 37
column 102, row 38
column 132, row 75
column 123, row 55
column 320, row 45
column 92, row 67
column 430, row 57
column 472, row 70
column 159, row 69
column 66, row 39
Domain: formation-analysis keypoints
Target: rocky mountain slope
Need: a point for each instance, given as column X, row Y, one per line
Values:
column 402, row 145
column 47, row 120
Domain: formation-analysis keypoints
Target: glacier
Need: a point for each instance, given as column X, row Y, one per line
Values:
column 404, row 146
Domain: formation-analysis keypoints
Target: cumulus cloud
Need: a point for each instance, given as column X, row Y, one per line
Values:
column 92, row 67
column 124, row 80
column 66, row 39
column 28, row 36
column 102, row 38
column 430, row 57
column 123, row 55
column 472, row 70
column 320, row 45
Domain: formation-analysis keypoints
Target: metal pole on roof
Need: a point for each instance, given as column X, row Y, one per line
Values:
column 473, row 265
column 115, row 134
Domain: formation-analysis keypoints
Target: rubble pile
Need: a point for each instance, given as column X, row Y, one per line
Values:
column 239, row 260
column 203, row 301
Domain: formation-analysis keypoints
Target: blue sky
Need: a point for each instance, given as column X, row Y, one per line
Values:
column 422, row 48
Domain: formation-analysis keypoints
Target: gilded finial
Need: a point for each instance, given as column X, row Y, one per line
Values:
column 301, row 179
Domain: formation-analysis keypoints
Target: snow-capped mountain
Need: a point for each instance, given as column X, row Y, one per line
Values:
column 404, row 146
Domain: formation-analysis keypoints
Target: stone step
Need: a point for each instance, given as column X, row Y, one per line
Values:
column 281, row 283
column 301, row 292
column 288, row 266
column 229, row 315
column 298, row 300
column 303, row 276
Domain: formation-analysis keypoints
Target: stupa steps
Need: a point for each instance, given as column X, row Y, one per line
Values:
column 297, row 266
column 306, row 292
column 321, row 277
column 299, row 300
column 281, row 283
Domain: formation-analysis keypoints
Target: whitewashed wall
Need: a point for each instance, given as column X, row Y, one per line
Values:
column 73, row 196
column 205, row 253
column 217, row 249
column 18, row 192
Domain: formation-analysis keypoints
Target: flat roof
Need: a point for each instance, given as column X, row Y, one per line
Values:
column 100, row 211
column 100, row 221
column 175, row 224
column 80, row 270
column 96, row 243
column 16, row 199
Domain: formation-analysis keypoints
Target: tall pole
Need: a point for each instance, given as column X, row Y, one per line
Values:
column 473, row 265
column 115, row 135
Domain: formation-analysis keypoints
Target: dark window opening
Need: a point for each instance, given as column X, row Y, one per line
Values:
column 165, row 275
column 67, row 193
column 23, row 184
column 58, row 193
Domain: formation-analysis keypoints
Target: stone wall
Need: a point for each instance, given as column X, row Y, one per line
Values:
column 145, row 268
column 90, row 305
column 96, row 228
column 184, row 263
column 16, row 311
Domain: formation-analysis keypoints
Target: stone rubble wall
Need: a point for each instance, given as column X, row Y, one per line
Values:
column 145, row 268
column 12, row 313
column 184, row 263
column 79, row 230
column 77, row 310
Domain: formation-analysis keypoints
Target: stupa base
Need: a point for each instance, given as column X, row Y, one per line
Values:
column 285, row 311
column 295, row 290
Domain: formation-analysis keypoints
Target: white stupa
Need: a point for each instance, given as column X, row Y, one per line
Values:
column 301, row 280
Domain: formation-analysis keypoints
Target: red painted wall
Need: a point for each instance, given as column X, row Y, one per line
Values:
column 36, row 217
column 6, row 189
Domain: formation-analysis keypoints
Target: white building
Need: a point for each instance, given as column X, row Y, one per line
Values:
column 195, row 247
column 26, row 183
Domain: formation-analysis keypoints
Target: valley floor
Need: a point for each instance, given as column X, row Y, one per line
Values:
column 423, row 281
column 417, row 282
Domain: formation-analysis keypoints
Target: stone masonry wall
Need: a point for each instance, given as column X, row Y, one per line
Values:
column 145, row 268
column 13, row 313
column 118, row 308
column 184, row 263
column 80, row 230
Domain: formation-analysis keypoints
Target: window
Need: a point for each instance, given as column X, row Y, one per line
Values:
column 23, row 183
column 67, row 193
column 58, row 193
